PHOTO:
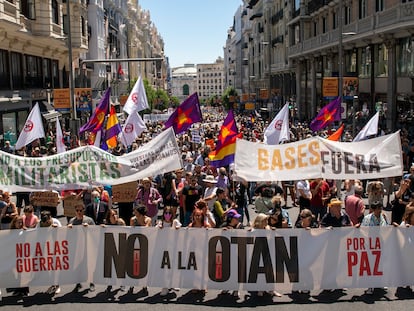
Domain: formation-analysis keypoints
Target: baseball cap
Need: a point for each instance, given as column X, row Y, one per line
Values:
column 233, row 214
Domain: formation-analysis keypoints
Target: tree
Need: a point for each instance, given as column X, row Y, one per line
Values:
column 228, row 98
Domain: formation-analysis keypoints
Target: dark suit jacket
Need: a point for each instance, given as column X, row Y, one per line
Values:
column 98, row 217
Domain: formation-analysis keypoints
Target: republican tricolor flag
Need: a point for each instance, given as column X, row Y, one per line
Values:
column 328, row 114
column 225, row 150
column 113, row 128
column 185, row 115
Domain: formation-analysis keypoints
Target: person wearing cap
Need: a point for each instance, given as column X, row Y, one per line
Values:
column 336, row 216
column 232, row 220
column 209, row 194
column 375, row 218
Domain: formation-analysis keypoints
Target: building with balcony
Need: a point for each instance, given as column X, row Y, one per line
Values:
column 371, row 41
column 291, row 49
column 39, row 51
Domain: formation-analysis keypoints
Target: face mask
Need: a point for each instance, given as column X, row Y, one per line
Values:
column 167, row 217
column 96, row 200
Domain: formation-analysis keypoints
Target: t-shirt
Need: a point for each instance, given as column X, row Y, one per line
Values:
column 192, row 195
column 85, row 220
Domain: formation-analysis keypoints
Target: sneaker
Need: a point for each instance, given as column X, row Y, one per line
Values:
column 145, row 291
column 131, row 290
column 52, row 290
column 91, row 287
column 58, row 289
column 236, row 294
column 275, row 293
column 108, row 289
column 164, row 292
column 369, row 291
column 78, row 287
column 122, row 288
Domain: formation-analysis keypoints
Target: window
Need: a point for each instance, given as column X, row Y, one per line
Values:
column 405, row 56
column 315, row 28
column 83, row 26
column 379, row 5
column 186, row 89
column 365, row 62
column 55, row 74
column 324, row 25
column 334, row 20
column 28, row 8
column 4, row 70
column 34, row 71
column 55, row 12
column 362, row 9
column 347, row 16
column 47, row 72
column 381, row 60
column 16, row 70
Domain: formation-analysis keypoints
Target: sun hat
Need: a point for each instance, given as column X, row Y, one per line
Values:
column 210, row 179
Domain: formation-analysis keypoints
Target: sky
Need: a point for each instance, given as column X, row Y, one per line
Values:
column 194, row 31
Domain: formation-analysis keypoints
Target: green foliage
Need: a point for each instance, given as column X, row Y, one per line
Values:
column 225, row 99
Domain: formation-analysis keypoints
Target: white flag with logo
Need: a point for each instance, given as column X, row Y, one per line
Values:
column 278, row 129
column 32, row 129
column 60, row 144
column 133, row 127
column 371, row 128
column 137, row 99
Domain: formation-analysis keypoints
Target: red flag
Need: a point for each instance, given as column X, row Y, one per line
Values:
column 338, row 133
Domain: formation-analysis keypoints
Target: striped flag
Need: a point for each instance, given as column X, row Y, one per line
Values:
column 113, row 128
column 96, row 121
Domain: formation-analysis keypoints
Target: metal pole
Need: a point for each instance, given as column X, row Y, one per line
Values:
column 73, row 125
column 340, row 52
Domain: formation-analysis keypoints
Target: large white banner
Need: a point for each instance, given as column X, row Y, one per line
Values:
column 286, row 259
column 317, row 157
column 89, row 165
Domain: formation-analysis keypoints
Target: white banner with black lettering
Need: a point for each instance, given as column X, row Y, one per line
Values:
column 288, row 259
column 317, row 157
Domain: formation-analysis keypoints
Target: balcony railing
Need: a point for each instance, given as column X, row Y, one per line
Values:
column 363, row 28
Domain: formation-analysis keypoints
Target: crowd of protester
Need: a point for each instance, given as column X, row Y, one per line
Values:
column 200, row 195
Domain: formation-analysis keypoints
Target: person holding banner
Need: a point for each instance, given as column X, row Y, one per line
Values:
column 375, row 218
column 8, row 212
column 78, row 220
column 140, row 219
column 18, row 223
column 335, row 217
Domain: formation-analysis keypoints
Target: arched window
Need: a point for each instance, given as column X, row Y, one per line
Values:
column 186, row 89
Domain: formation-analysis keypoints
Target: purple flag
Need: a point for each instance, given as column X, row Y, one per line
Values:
column 187, row 113
column 328, row 114
column 97, row 118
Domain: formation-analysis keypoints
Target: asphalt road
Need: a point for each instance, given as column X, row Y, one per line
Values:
column 183, row 299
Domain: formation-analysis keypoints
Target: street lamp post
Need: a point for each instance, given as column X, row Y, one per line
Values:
column 340, row 52
column 74, row 120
